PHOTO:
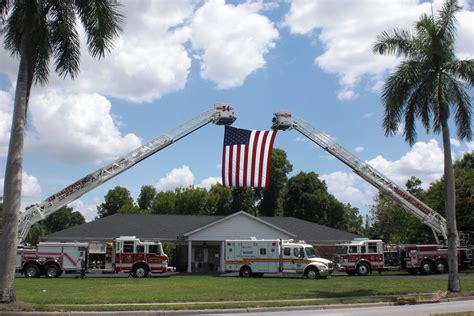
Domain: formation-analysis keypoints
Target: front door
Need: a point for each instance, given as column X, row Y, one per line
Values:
column 289, row 260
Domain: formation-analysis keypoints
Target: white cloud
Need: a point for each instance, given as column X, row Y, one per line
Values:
column 208, row 182
column 349, row 188
column 348, row 29
column 470, row 145
column 77, row 128
column 231, row 41
column 87, row 209
column 368, row 115
column 424, row 160
column 359, row 149
column 183, row 177
column 455, row 143
column 6, row 107
column 347, row 94
column 30, row 186
column 178, row 177
column 148, row 61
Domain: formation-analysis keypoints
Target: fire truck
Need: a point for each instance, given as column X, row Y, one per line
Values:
column 59, row 257
column 257, row 257
column 129, row 254
column 362, row 256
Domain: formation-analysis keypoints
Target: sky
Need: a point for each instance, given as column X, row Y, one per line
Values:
column 176, row 59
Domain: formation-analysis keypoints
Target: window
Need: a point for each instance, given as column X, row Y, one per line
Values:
column 353, row 249
column 128, row 246
column 287, row 252
column 154, row 249
column 263, row 251
column 198, row 254
column 140, row 249
column 362, row 249
column 372, row 247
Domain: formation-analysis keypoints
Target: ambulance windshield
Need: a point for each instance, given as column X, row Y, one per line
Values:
column 310, row 252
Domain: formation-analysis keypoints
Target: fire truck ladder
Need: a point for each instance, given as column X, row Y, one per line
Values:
column 284, row 121
column 221, row 114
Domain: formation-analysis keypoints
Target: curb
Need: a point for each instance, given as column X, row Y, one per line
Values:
column 231, row 310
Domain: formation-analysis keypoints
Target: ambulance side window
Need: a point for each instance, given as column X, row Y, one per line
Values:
column 287, row 252
column 297, row 252
column 263, row 251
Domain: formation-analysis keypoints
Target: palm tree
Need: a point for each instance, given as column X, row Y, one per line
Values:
column 427, row 85
column 37, row 31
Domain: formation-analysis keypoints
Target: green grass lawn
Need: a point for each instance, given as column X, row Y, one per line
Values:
column 44, row 291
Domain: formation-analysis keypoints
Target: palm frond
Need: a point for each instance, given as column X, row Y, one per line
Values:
column 102, row 22
column 396, row 91
column 462, row 69
column 447, row 20
column 458, row 98
column 65, row 39
column 397, row 42
column 43, row 47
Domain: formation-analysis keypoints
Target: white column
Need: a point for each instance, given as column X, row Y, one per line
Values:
column 190, row 252
column 222, row 258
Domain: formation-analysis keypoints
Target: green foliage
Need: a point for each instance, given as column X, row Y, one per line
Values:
column 146, row 197
column 164, row 203
column 464, row 183
column 307, row 198
column 117, row 200
column 191, row 201
column 219, row 200
column 169, row 248
column 353, row 220
column 271, row 203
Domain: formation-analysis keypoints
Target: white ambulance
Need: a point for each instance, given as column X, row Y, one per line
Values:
column 257, row 257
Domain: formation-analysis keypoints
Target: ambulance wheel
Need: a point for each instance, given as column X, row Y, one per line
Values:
column 312, row 273
column 245, row 272
column 363, row 269
column 31, row 271
column 426, row 267
column 52, row 271
column 140, row 271
column 441, row 266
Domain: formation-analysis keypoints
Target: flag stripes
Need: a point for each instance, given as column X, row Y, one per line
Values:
column 246, row 157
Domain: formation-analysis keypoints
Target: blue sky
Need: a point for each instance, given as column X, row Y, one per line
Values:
column 176, row 59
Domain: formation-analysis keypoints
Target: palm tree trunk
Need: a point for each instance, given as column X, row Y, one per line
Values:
column 12, row 188
column 450, row 202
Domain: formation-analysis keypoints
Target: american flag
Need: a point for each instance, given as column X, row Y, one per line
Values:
column 246, row 157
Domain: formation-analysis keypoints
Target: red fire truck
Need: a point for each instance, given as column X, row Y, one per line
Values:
column 362, row 256
column 128, row 254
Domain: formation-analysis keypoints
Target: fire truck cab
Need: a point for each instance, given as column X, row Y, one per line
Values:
column 361, row 256
column 131, row 255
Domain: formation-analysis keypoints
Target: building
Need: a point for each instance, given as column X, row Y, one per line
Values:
column 201, row 238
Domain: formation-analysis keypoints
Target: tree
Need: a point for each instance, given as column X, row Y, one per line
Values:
column 117, row 200
column 146, row 197
column 464, row 183
column 219, row 200
column 271, row 203
column 428, row 84
column 353, row 220
column 307, row 198
column 164, row 203
column 36, row 32
column 191, row 201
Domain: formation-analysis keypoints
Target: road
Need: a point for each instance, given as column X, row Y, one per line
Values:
column 405, row 310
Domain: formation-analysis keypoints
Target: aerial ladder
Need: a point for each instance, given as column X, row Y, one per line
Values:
column 285, row 121
column 221, row 114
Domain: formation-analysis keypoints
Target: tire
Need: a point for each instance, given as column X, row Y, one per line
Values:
column 363, row 269
column 312, row 273
column 426, row 267
column 140, row 271
column 441, row 266
column 31, row 271
column 245, row 272
column 52, row 271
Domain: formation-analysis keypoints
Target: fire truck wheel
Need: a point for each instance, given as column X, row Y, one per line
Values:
column 245, row 272
column 441, row 266
column 31, row 271
column 140, row 271
column 52, row 271
column 426, row 267
column 312, row 273
column 363, row 269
